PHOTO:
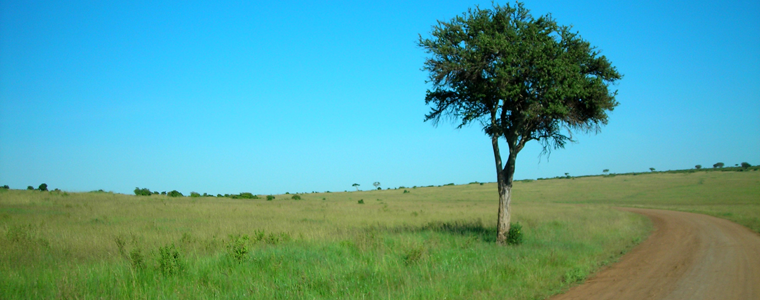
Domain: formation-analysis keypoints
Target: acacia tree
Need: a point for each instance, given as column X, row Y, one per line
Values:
column 521, row 78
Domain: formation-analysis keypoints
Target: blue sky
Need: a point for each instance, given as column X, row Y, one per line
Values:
column 311, row 96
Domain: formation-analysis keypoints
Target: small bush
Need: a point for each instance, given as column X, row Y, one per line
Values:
column 274, row 239
column 6, row 187
column 361, row 201
column 414, row 254
column 30, row 188
column 270, row 197
column 238, row 247
column 175, row 193
column 295, row 197
column 194, row 195
column 169, row 260
column 163, row 193
column 406, row 192
column 515, row 234
column 137, row 259
column 43, row 187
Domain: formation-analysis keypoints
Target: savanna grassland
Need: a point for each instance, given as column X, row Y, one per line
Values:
column 430, row 243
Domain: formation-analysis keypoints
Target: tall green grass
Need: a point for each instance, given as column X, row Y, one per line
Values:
column 431, row 243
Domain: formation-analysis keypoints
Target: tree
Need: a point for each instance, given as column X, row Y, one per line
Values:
column 522, row 78
column 651, row 169
column 29, row 188
column 356, row 185
column 376, row 184
column 718, row 165
column 175, row 193
column 606, row 171
column 746, row 165
column 142, row 192
column 698, row 167
column 43, row 187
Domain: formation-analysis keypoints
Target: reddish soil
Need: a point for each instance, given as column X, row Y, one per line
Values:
column 688, row 256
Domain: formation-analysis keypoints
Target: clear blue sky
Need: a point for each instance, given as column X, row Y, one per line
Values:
column 274, row 97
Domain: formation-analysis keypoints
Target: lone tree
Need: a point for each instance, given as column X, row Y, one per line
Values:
column 651, row 169
column 698, row 167
column 746, row 165
column 718, row 165
column 356, row 185
column 521, row 78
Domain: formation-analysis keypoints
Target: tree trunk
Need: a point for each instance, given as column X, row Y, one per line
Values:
column 504, row 176
column 505, row 198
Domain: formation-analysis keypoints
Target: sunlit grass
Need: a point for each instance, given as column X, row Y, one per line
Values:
column 431, row 243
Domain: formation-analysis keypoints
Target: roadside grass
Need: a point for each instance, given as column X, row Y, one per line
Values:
column 429, row 243
column 731, row 195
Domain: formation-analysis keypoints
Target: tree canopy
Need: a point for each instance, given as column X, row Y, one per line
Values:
column 521, row 78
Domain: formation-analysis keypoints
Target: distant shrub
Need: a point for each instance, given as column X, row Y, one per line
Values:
column 379, row 188
column 270, row 197
column 6, row 187
column 296, row 197
column 245, row 196
column 746, row 165
column 515, row 234
column 698, row 167
column 361, row 201
column 169, row 260
column 155, row 192
column 449, row 184
column 481, row 183
column 175, row 193
column 194, row 195
column 142, row 192
column 219, row 195
column 30, row 188
column 401, row 187
column 474, row 182
column 287, row 193
column 406, row 192
column 718, row 165
column 43, row 187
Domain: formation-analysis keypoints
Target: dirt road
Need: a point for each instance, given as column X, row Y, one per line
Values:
column 689, row 256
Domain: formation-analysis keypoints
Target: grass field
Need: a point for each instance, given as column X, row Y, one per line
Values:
column 431, row 243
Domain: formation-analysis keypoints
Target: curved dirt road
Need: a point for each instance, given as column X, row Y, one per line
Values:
column 688, row 256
